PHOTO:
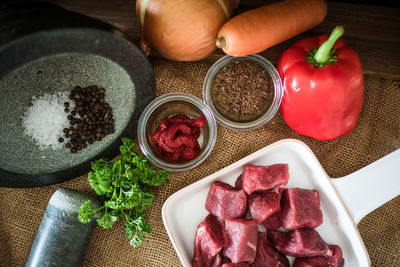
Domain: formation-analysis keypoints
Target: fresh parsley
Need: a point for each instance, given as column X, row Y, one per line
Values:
column 124, row 190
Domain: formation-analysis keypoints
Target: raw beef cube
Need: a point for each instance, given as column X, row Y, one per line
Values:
column 242, row 264
column 217, row 261
column 241, row 240
column 260, row 178
column 300, row 208
column 208, row 242
column 336, row 260
column 225, row 259
column 267, row 255
column 273, row 222
column 239, row 182
column 303, row 242
column 263, row 205
column 225, row 202
column 311, row 262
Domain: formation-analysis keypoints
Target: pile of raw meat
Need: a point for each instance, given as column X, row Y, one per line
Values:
column 227, row 239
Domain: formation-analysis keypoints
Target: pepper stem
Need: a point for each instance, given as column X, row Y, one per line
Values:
column 324, row 51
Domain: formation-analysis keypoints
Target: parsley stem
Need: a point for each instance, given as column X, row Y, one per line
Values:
column 114, row 193
column 96, row 211
column 127, row 217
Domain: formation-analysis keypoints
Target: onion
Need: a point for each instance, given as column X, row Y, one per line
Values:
column 183, row 30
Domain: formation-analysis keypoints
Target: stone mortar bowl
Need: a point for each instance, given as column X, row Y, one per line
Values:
column 46, row 49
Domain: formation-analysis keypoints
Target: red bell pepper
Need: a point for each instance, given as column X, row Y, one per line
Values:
column 323, row 86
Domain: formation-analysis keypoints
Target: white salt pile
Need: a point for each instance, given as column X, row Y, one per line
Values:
column 45, row 119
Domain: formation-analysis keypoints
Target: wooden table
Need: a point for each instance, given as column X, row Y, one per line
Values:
column 373, row 31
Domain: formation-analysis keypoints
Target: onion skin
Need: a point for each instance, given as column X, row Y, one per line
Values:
column 182, row 30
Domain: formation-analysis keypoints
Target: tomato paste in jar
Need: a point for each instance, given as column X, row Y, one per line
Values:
column 176, row 138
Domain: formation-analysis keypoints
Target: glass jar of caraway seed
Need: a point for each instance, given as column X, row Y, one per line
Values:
column 244, row 93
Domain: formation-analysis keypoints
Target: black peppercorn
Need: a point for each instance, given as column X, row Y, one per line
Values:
column 95, row 117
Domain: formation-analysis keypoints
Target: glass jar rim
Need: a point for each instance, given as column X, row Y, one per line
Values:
column 244, row 126
column 205, row 110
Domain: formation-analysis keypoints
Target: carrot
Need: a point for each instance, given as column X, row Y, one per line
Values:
column 258, row 29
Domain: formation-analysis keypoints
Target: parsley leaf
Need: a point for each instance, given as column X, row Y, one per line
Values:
column 124, row 187
column 86, row 212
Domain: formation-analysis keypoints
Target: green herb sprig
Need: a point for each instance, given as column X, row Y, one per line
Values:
column 124, row 190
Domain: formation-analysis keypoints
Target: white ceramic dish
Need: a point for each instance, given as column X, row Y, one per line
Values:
column 344, row 201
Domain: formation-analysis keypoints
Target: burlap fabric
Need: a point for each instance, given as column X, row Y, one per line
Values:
column 377, row 133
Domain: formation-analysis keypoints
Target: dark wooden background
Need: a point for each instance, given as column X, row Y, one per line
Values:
column 372, row 30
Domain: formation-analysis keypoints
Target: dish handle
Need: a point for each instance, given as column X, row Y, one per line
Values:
column 370, row 187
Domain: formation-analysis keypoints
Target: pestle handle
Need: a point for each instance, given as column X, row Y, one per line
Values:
column 61, row 239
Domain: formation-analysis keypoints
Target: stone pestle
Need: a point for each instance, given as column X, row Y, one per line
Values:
column 61, row 239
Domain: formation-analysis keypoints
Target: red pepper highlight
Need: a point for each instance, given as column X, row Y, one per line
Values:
column 323, row 86
column 176, row 138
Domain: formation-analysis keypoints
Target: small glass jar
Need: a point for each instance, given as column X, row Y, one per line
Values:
column 169, row 105
column 264, row 117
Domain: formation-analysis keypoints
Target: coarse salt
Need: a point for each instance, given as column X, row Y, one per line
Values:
column 45, row 119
